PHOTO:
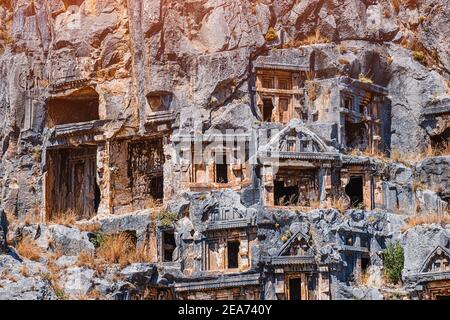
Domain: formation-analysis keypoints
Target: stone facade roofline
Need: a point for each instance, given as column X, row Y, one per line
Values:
column 436, row 110
column 296, row 260
column 428, row 276
column 211, row 137
column 79, row 128
column 281, row 66
column 229, row 281
column 231, row 224
column 352, row 249
column 322, row 156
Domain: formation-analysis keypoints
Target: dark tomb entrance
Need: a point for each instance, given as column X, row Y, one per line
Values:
column 267, row 110
column 221, row 169
column 71, row 184
column 285, row 195
column 168, row 245
column 295, row 289
column 354, row 190
column 365, row 263
column 233, row 254
column 441, row 141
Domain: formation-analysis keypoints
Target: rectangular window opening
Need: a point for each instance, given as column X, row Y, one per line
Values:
column 168, row 245
column 233, row 254
column 222, row 170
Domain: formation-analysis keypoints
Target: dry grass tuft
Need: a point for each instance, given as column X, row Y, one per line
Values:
column 32, row 218
column 419, row 55
column 271, row 35
column 417, row 185
column 427, row 57
column 339, row 204
column 92, row 295
column 315, row 38
column 86, row 259
column 89, row 227
column 24, row 270
column 364, row 78
column 67, row 218
column 115, row 248
column 396, row 4
column 362, row 279
column 342, row 49
column 312, row 90
column 5, row 275
column 141, row 254
column 11, row 218
column 442, row 150
column 154, row 203
column 6, row 37
column 420, row 219
column 120, row 248
column 28, row 248
column 405, row 157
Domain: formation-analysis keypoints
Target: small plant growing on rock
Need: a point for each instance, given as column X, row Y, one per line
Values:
column 389, row 60
column 37, row 154
column 393, row 260
column 419, row 56
column 271, row 35
column 364, row 78
column 286, row 236
column 167, row 219
column 312, row 91
column 422, row 19
column 60, row 294
column 342, row 49
column 98, row 239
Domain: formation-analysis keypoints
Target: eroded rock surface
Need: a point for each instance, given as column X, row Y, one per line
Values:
column 103, row 102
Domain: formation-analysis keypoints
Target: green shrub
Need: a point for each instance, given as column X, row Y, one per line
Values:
column 97, row 240
column 393, row 260
column 271, row 35
column 167, row 219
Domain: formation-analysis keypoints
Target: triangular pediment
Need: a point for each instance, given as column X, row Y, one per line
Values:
column 298, row 245
column 296, row 137
column 437, row 261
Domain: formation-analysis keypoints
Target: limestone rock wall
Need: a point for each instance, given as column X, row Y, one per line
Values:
column 201, row 51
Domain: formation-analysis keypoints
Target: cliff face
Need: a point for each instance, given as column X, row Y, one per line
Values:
column 202, row 52
column 201, row 55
